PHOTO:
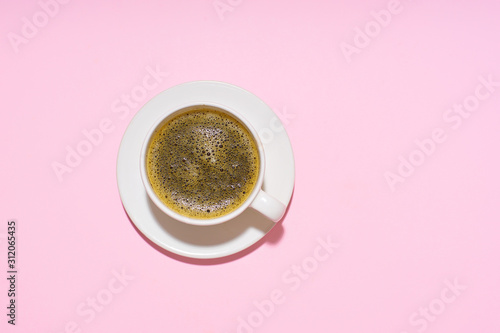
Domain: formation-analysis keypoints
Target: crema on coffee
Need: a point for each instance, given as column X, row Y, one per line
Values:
column 202, row 163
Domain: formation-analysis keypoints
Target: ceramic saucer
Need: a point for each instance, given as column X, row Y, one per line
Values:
column 205, row 241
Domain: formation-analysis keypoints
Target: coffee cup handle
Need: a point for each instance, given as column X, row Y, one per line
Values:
column 269, row 206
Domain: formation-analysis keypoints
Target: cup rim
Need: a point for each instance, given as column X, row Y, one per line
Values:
column 178, row 109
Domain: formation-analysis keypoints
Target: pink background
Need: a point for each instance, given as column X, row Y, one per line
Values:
column 349, row 119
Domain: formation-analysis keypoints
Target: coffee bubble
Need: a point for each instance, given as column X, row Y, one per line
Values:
column 202, row 163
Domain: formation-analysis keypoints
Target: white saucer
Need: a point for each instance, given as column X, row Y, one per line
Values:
column 205, row 241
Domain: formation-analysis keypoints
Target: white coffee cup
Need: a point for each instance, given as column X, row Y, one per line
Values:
column 258, row 199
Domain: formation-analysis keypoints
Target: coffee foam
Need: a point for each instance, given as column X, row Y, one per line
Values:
column 202, row 163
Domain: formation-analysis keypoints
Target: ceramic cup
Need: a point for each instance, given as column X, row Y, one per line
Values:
column 258, row 199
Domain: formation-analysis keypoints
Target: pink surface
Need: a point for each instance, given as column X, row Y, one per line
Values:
column 395, row 132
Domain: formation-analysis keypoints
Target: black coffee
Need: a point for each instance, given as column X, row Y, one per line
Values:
column 202, row 163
